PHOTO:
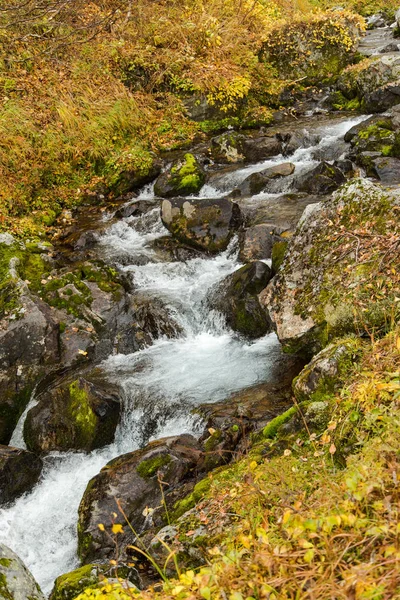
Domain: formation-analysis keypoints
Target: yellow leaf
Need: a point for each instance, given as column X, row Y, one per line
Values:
column 101, row 527
column 117, row 528
column 253, row 465
column 309, row 555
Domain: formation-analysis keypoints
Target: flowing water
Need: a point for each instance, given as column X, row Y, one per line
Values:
column 161, row 383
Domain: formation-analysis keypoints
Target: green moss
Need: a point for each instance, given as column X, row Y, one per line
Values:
column 182, row 506
column 69, row 585
column 148, row 468
column 5, row 562
column 340, row 102
column 278, row 254
column 273, row 426
column 187, row 177
column 81, row 412
column 4, row 590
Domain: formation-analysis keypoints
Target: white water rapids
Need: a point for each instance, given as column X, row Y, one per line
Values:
column 162, row 383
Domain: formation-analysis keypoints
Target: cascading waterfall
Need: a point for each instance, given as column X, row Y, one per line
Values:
column 161, row 383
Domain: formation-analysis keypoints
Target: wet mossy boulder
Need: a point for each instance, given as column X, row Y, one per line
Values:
column 19, row 472
column 28, row 330
column 328, row 284
column 234, row 147
column 16, row 582
column 134, row 480
column 236, row 297
column 325, row 373
column 228, row 147
column 79, row 414
column 257, row 182
column 373, row 82
column 184, row 177
column 70, row 585
column 323, row 179
column 206, row 224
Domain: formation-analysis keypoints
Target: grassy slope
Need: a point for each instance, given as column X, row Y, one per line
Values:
column 86, row 96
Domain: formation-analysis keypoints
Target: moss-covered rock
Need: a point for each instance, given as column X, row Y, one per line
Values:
column 331, row 282
column 203, row 224
column 236, row 297
column 133, row 479
column 314, row 48
column 324, row 374
column 81, row 414
column 16, row 582
column 70, row 585
column 183, row 178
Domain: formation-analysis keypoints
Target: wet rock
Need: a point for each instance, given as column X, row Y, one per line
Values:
column 133, row 179
column 78, row 414
column 377, row 20
column 19, row 472
column 373, row 121
column 391, row 47
column 169, row 249
column 204, row 224
column 257, row 182
column 383, row 98
column 236, row 297
column 228, row 423
column 256, row 243
column 307, row 300
column 135, row 209
column 147, row 320
column 261, row 148
column 28, row 332
column 16, row 582
column 386, row 169
column 228, row 147
column 134, row 480
column 184, row 177
column 323, row 179
column 282, row 213
column 298, row 139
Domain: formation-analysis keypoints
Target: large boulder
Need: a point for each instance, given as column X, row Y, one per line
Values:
column 233, row 147
column 386, row 169
column 137, row 481
column 236, row 297
column 257, row 182
column 325, row 286
column 313, row 48
column 28, row 331
column 184, row 177
column 374, row 82
column 19, row 472
column 323, row 179
column 79, row 414
column 256, row 242
column 206, row 224
column 16, row 582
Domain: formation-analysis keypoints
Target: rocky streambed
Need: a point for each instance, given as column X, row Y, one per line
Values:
column 141, row 345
